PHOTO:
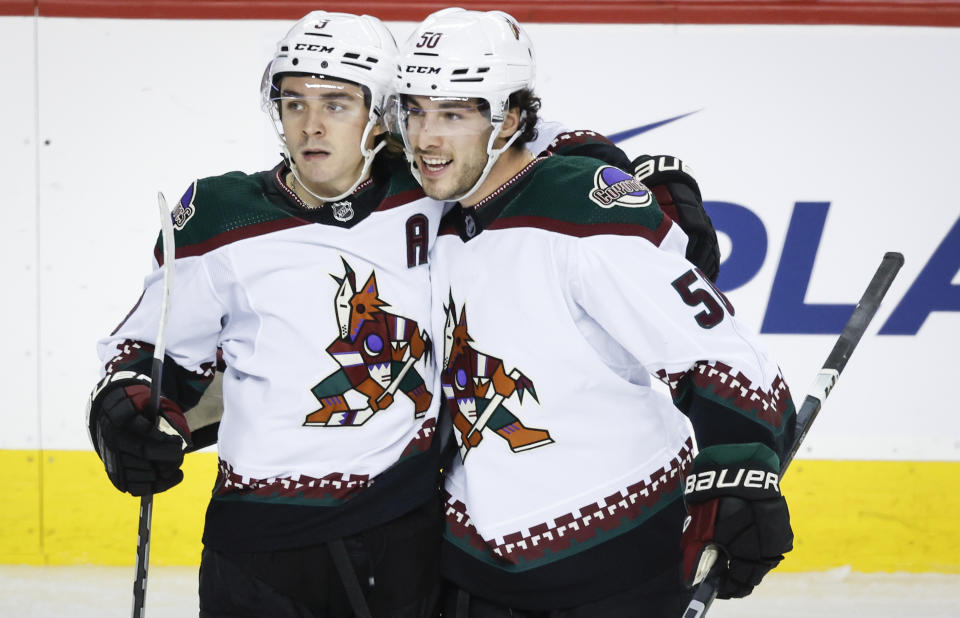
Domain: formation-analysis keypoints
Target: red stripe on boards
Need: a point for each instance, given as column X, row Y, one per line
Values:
column 812, row 12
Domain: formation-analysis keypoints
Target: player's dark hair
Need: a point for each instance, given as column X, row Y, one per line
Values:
column 527, row 102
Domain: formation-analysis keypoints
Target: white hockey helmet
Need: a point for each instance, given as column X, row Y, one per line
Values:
column 354, row 48
column 467, row 54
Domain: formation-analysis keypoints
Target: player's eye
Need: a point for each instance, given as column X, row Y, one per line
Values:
column 293, row 105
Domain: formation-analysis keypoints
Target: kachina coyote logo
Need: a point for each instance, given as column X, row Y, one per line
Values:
column 477, row 388
column 376, row 351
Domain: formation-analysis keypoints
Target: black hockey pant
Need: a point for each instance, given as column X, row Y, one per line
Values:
column 396, row 568
column 637, row 603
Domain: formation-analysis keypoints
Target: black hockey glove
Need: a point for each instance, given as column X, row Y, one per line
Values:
column 733, row 501
column 678, row 194
column 140, row 457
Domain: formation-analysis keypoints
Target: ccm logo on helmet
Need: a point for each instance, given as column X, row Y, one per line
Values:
column 313, row 47
column 752, row 479
column 412, row 68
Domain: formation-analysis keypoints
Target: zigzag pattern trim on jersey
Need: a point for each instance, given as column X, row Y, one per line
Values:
column 137, row 356
column 335, row 486
column 130, row 353
column 573, row 532
column 572, row 139
column 422, row 440
column 768, row 405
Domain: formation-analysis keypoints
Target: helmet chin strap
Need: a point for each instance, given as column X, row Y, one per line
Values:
column 368, row 156
column 492, row 155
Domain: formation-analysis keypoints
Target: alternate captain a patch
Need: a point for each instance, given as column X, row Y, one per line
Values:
column 185, row 208
column 376, row 351
column 614, row 187
column 477, row 389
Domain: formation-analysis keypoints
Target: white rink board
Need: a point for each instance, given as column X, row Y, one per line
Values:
column 18, row 235
column 861, row 117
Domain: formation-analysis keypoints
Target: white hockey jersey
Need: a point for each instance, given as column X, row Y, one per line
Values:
column 558, row 300
column 330, row 391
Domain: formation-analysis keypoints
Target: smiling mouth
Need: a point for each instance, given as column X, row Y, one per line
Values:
column 434, row 166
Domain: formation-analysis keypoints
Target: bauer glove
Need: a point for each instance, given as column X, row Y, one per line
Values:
column 733, row 502
column 678, row 194
column 140, row 456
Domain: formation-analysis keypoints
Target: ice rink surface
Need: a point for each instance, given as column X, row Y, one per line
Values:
column 104, row 592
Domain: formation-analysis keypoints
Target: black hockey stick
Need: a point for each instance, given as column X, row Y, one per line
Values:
column 156, row 376
column 706, row 592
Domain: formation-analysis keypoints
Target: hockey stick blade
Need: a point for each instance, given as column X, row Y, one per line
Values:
column 156, row 377
column 827, row 377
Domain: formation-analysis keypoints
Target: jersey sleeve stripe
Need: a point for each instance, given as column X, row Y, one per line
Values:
column 399, row 199
column 231, row 236
column 583, row 230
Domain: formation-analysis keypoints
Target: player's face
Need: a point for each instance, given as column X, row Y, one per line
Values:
column 323, row 122
column 448, row 138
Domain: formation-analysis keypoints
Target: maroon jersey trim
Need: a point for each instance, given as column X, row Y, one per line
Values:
column 232, row 236
column 404, row 197
column 583, row 230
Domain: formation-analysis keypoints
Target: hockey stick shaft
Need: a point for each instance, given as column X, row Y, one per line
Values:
column 827, row 377
column 395, row 383
column 840, row 354
column 156, row 378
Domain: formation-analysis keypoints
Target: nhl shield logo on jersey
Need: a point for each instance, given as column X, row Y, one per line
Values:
column 477, row 388
column 614, row 187
column 376, row 351
column 185, row 209
column 343, row 211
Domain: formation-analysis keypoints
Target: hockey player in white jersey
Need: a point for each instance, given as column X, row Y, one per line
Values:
column 561, row 292
column 312, row 281
column 308, row 284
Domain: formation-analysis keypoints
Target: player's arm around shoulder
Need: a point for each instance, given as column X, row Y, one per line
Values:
column 669, row 178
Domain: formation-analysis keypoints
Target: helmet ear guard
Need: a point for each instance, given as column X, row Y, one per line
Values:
column 470, row 55
column 357, row 49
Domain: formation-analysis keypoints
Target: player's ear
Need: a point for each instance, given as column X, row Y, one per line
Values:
column 511, row 124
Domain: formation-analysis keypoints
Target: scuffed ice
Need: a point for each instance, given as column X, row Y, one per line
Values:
column 104, row 592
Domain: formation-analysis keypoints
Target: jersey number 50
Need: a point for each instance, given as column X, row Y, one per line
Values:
column 708, row 296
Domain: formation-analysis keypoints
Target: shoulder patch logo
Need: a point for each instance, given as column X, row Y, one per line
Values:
column 614, row 187
column 185, row 209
